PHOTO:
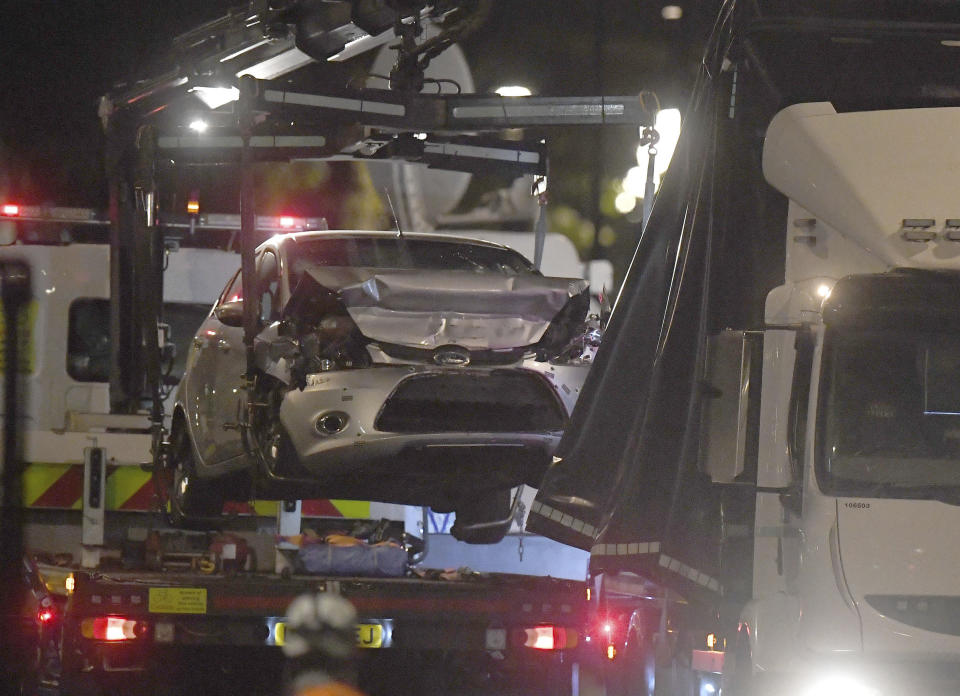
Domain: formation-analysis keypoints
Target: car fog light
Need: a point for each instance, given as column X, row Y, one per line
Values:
column 332, row 423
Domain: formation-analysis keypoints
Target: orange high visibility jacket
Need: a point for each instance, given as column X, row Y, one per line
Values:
column 332, row 688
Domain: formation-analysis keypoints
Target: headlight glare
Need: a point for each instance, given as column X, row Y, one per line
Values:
column 840, row 685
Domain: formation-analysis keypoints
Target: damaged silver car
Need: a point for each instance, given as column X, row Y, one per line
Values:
column 415, row 369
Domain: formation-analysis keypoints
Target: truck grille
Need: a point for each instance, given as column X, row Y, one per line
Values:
column 499, row 401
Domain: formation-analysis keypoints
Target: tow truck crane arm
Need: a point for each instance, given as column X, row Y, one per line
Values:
column 244, row 53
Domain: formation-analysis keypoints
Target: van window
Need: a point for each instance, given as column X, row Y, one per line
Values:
column 88, row 339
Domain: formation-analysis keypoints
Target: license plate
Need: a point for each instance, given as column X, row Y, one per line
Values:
column 368, row 635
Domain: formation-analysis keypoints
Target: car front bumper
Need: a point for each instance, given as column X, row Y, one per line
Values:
column 433, row 414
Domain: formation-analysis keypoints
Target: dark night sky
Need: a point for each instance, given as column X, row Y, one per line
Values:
column 60, row 57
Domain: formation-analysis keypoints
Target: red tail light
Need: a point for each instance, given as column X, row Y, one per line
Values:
column 112, row 628
column 547, row 637
column 45, row 615
column 11, row 209
column 287, row 222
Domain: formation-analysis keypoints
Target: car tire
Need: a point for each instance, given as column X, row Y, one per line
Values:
column 491, row 507
column 191, row 498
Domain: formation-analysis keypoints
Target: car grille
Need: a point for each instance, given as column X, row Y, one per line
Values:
column 499, row 401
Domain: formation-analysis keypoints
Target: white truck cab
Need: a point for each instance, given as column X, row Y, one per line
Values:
column 858, row 480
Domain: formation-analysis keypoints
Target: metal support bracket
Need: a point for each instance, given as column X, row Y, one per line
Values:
column 94, row 505
column 289, row 519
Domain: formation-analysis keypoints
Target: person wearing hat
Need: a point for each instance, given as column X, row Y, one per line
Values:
column 320, row 646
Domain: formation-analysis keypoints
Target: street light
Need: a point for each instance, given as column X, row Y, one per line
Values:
column 667, row 124
column 513, row 91
column 625, row 202
column 671, row 12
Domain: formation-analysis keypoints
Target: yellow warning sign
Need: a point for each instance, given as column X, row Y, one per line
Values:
column 177, row 600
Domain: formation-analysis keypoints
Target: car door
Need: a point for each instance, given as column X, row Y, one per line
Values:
column 213, row 383
column 228, row 362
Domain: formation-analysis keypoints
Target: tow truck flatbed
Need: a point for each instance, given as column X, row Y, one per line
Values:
column 416, row 612
column 127, row 625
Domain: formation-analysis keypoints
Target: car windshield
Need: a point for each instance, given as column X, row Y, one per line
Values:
column 890, row 414
column 420, row 254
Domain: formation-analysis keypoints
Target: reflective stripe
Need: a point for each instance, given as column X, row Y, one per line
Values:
column 129, row 488
column 355, row 509
column 60, row 486
column 641, row 548
column 690, row 573
column 564, row 519
column 629, row 549
column 53, row 485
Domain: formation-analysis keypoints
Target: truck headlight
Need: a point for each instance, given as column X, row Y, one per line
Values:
column 840, row 685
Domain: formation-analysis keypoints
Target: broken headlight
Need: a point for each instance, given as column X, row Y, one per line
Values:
column 564, row 338
column 336, row 344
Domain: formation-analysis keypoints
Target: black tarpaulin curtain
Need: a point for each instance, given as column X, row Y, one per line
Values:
column 625, row 483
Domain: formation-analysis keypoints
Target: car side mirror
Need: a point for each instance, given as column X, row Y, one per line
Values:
column 230, row 313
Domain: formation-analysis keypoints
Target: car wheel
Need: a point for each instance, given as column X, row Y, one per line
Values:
column 191, row 497
column 491, row 507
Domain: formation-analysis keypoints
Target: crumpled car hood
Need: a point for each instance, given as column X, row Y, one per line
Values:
column 428, row 309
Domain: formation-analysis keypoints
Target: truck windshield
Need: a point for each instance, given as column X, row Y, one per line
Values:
column 890, row 415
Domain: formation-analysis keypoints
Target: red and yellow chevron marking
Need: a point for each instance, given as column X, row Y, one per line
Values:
column 354, row 509
column 60, row 486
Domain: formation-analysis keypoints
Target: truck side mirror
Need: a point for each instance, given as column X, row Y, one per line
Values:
column 230, row 313
column 791, row 498
column 724, row 408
